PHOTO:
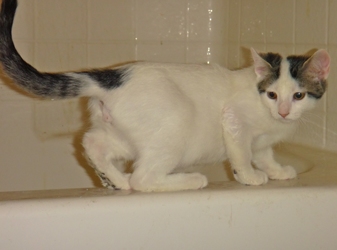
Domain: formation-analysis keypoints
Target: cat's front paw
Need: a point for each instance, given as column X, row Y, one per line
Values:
column 254, row 177
column 284, row 173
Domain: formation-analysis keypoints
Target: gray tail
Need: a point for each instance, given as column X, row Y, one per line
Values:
column 50, row 85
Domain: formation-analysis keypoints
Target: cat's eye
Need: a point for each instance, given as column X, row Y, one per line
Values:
column 272, row 95
column 299, row 96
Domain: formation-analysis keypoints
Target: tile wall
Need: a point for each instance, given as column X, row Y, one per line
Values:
column 72, row 34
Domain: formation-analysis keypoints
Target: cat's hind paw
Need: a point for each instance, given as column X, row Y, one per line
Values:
column 284, row 173
column 106, row 182
column 254, row 177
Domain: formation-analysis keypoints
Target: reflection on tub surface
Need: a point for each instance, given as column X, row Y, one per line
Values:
column 285, row 154
column 314, row 168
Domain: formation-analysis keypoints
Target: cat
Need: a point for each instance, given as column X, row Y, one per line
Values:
column 165, row 116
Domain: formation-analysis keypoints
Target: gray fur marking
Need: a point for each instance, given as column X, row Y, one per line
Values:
column 274, row 60
column 298, row 70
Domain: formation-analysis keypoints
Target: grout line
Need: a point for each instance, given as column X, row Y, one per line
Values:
column 265, row 25
column 325, row 121
column 187, row 27
column 209, row 34
column 134, row 27
column 34, row 31
column 239, row 35
column 87, row 34
column 327, row 17
column 227, row 43
column 294, row 27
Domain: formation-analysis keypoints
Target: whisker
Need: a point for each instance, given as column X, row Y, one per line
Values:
column 309, row 128
column 311, row 115
column 307, row 121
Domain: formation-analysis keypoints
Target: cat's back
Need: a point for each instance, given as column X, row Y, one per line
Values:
column 173, row 67
column 179, row 72
column 190, row 80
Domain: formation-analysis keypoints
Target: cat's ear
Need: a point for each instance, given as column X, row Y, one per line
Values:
column 318, row 65
column 262, row 67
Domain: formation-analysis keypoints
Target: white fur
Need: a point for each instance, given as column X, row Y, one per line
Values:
column 167, row 116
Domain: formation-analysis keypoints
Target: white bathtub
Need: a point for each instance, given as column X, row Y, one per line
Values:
column 295, row 214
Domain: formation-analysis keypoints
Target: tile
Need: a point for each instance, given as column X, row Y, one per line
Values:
column 332, row 22
column 107, row 54
column 53, row 118
column 61, row 20
column 253, row 21
column 245, row 58
column 77, row 56
column 308, row 48
column 331, row 131
column 160, row 20
column 281, row 48
column 44, row 160
column 51, row 56
column 234, row 21
column 23, row 27
column 173, row 52
column 208, row 20
column 219, row 54
column 9, row 93
column 26, row 50
column 233, row 56
column 280, row 21
column 203, row 52
column 311, row 22
column 60, row 56
column 198, row 52
column 332, row 87
column 111, row 20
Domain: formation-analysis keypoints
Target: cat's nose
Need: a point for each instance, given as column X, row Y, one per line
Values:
column 284, row 115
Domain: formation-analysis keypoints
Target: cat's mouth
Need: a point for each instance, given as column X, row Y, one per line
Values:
column 286, row 119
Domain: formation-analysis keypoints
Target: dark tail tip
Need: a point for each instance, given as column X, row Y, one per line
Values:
column 7, row 13
column 8, row 8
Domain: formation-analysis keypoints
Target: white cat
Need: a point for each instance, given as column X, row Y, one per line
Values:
column 164, row 116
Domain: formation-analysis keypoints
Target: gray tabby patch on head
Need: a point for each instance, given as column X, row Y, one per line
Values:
column 311, row 72
column 274, row 60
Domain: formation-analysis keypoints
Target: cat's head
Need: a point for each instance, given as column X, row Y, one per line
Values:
column 289, row 86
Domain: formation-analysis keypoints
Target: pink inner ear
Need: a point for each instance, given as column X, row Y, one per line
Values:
column 320, row 64
column 260, row 65
column 261, row 70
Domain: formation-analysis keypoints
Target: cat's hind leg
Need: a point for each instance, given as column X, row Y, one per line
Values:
column 153, row 172
column 106, row 153
column 264, row 160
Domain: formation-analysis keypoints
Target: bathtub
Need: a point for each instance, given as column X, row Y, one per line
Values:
column 293, row 214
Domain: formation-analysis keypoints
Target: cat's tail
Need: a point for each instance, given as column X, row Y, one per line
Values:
column 49, row 85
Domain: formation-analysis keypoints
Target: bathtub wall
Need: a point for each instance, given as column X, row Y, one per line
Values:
column 64, row 35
